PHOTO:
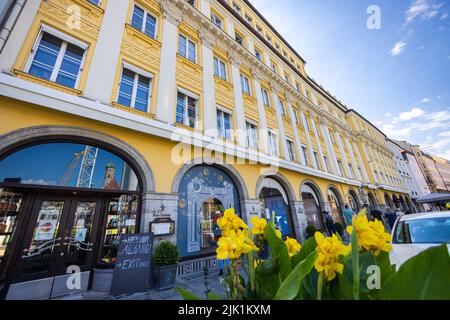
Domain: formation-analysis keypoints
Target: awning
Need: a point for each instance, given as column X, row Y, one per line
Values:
column 434, row 197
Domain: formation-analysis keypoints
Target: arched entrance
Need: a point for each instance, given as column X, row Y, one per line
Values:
column 354, row 201
column 389, row 202
column 275, row 199
column 73, row 193
column 372, row 201
column 313, row 205
column 336, row 204
column 204, row 191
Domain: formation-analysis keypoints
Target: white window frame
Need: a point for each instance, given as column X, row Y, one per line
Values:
column 316, row 159
column 282, row 107
column 137, row 72
column 340, row 167
column 144, row 22
column 230, row 113
column 187, row 47
column 245, row 84
column 291, row 150
column 225, row 66
column 268, row 97
column 215, row 18
column 305, row 155
column 273, row 138
column 325, row 160
column 185, row 110
column 255, row 144
column 66, row 39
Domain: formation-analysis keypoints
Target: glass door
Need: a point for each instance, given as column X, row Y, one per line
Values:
column 61, row 233
column 43, row 238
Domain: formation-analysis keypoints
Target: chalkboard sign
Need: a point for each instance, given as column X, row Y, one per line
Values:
column 133, row 264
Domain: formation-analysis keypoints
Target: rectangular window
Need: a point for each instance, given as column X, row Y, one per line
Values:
column 236, row 8
column 351, row 172
column 220, row 68
column 57, row 60
column 286, row 78
column 274, row 67
column 341, row 169
column 224, row 124
column 325, row 159
column 143, row 21
column 134, row 90
column 315, row 128
column 239, row 39
column 305, row 155
column 297, row 119
column 273, row 144
column 216, row 20
column 291, row 150
column 186, row 110
column 282, row 107
column 95, row 2
column 266, row 99
column 316, row 159
column 245, row 85
column 249, row 19
column 252, row 135
column 331, row 137
column 258, row 54
column 187, row 48
column 259, row 29
column 308, row 129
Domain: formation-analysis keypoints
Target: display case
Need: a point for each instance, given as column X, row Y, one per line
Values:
column 10, row 207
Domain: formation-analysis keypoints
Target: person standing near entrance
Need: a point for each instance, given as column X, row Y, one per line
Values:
column 348, row 215
column 391, row 217
column 399, row 213
column 329, row 223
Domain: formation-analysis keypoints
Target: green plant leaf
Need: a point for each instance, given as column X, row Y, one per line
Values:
column 290, row 287
column 307, row 247
column 423, row 277
column 186, row 295
column 279, row 250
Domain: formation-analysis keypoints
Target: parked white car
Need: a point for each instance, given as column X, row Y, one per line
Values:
column 415, row 233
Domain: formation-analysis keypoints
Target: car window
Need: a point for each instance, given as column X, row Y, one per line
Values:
column 433, row 230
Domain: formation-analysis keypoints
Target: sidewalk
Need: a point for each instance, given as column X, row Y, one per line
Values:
column 194, row 284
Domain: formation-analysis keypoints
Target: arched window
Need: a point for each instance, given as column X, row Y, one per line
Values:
column 69, row 165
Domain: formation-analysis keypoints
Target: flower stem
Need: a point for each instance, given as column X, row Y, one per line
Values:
column 320, row 286
column 355, row 264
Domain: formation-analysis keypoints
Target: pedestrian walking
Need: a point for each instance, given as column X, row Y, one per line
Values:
column 348, row 215
column 391, row 218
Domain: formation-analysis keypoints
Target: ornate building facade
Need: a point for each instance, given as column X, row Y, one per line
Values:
column 200, row 105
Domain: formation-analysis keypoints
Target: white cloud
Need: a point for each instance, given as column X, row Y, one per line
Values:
column 387, row 115
column 398, row 48
column 409, row 115
column 426, row 100
column 423, row 9
column 445, row 134
column 444, row 16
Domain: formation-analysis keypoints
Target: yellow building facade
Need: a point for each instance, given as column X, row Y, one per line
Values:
column 197, row 106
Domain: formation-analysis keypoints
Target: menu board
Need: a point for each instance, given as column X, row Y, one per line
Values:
column 133, row 265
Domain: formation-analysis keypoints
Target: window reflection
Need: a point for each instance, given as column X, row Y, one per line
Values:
column 68, row 165
column 121, row 219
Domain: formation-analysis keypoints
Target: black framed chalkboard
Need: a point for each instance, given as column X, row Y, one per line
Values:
column 132, row 270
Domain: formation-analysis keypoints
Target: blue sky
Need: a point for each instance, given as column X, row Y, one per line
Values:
column 398, row 77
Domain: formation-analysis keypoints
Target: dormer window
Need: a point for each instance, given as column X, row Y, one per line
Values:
column 237, row 8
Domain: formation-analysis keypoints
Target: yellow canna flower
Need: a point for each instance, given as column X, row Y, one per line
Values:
column 278, row 233
column 329, row 250
column 372, row 235
column 259, row 225
column 293, row 246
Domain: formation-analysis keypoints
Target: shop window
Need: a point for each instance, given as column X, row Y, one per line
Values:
column 186, row 110
column 121, row 217
column 10, row 208
column 144, row 21
column 75, row 166
column 135, row 88
column 211, row 211
column 57, row 58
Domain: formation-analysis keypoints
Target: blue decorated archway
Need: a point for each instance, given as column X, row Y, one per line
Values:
column 199, row 185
